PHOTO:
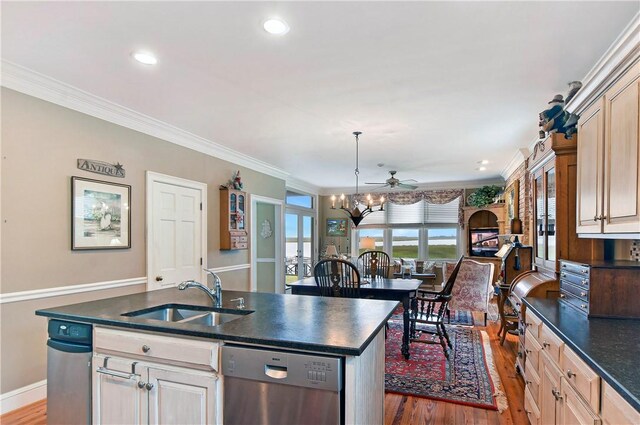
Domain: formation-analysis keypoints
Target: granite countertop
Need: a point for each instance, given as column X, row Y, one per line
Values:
column 610, row 346
column 330, row 325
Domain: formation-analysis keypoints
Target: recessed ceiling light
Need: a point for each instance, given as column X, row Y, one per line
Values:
column 276, row 26
column 482, row 168
column 146, row 58
column 483, row 162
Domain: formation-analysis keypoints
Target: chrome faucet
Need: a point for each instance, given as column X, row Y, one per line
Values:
column 215, row 294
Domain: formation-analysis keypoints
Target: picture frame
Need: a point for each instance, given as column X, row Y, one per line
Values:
column 337, row 227
column 512, row 194
column 100, row 215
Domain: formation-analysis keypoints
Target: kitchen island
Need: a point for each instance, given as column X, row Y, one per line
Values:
column 181, row 356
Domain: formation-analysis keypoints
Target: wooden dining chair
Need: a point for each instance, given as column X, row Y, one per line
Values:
column 432, row 310
column 375, row 263
column 337, row 278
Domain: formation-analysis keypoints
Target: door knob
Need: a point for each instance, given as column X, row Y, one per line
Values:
column 159, row 278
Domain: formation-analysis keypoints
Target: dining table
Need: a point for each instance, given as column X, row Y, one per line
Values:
column 402, row 290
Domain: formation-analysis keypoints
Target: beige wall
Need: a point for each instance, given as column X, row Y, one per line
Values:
column 40, row 145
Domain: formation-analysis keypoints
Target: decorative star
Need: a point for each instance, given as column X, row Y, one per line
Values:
column 118, row 166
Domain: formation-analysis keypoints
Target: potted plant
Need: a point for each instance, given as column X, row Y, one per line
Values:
column 484, row 196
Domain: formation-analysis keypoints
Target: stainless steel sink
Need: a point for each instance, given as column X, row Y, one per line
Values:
column 183, row 314
column 212, row 318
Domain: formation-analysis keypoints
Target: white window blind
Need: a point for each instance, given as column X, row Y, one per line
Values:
column 405, row 214
column 442, row 213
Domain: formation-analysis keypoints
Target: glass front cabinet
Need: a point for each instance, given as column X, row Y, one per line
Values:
column 233, row 219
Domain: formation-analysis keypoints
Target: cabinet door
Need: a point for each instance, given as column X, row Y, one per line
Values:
column 574, row 411
column 590, row 170
column 181, row 396
column 622, row 155
column 117, row 398
column 550, row 392
column 540, row 217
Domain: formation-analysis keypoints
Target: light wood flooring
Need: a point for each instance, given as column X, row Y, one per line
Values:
column 399, row 409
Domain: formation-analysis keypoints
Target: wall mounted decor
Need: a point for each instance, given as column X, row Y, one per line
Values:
column 234, row 233
column 266, row 231
column 100, row 167
column 100, row 214
column 512, row 194
column 336, row 227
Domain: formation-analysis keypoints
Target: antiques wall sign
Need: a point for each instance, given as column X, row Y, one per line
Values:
column 100, row 167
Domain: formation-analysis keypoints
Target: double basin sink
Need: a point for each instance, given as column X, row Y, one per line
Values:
column 189, row 314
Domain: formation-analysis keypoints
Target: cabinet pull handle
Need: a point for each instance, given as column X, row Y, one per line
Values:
column 545, row 344
column 146, row 348
column 570, row 374
column 149, row 386
column 556, row 394
column 141, row 384
column 115, row 373
column 584, row 282
column 595, row 218
column 583, row 294
column 564, row 274
column 562, row 295
column 583, row 306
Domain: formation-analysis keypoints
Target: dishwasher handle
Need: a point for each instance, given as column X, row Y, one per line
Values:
column 68, row 347
column 275, row 372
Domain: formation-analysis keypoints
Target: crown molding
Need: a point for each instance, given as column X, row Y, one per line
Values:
column 618, row 58
column 32, row 83
column 518, row 158
column 303, row 186
column 463, row 184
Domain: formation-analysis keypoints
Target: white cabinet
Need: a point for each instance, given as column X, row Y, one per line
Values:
column 550, row 393
column 608, row 200
column 139, row 378
column 574, row 410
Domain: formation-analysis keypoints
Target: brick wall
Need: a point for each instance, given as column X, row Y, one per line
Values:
column 525, row 202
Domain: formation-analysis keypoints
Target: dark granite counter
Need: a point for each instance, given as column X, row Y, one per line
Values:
column 610, row 346
column 330, row 325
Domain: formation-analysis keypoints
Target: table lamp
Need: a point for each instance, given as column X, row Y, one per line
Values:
column 368, row 243
column 332, row 251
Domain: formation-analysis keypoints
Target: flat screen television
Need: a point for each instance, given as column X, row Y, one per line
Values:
column 483, row 242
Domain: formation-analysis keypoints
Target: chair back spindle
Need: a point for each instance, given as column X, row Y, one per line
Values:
column 337, row 278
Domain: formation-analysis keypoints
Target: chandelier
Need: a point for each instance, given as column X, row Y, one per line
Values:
column 354, row 212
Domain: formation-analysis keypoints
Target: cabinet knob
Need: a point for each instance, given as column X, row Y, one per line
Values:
column 146, row 348
column 583, row 306
column 595, row 218
column 149, row 386
column 583, row 294
column 159, row 278
column 562, row 295
column 564, row 274
column 556, row 394
column 585, row 271
column 545, row 344
column 584, row 282
column 141, row 384
column 570, row 374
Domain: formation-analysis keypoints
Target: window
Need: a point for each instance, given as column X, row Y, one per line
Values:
column 299, row 199
column 420, row 230
column 405, row 243
column 442, row 244
column 377, row 234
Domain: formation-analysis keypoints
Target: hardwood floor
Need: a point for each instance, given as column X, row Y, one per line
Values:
column 399, row 409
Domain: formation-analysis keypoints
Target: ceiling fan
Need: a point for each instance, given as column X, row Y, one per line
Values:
column 393, row 182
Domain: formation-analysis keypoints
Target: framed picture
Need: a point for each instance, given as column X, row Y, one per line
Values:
column 336, row 227
column 511, row 201
column 100, row 214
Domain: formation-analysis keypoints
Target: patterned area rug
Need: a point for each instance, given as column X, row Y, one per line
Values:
column 460, row 318
column 469, row 376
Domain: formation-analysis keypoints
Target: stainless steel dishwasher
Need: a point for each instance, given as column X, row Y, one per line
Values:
column 270, row 387
column 69, row 373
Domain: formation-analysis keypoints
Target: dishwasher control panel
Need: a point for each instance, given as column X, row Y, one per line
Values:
column 78, row 333
column 312, row 371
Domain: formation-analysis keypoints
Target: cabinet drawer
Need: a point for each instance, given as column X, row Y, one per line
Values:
column 533, row 323
column 532, row 349
column 581, row 305
column 582, row 377
column 531, row 409
column 579, row 269
column 580, row 281
column 170, row 349
column 579, row 292
column 551, row 344
column 615, row 409
column 574, row 410
column 532, row 381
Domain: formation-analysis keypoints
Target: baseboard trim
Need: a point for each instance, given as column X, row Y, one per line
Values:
column 23, row 396
column 59, row 291
column 229, row 268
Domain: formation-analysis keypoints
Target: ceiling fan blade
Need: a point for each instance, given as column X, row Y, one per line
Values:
column 407, row 186
column 384, row 183
column 409, row 180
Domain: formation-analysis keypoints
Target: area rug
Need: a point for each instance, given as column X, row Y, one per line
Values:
column 469, row 377
column 459, row 318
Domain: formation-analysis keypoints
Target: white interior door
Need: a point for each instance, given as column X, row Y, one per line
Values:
column 267, row 248
column 176, row 236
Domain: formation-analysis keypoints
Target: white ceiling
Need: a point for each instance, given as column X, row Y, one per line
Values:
column 433, row 86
